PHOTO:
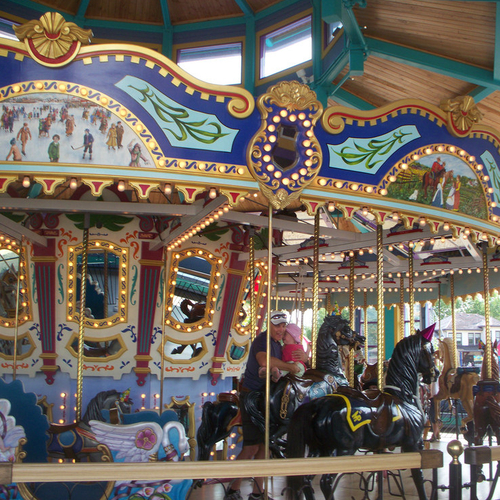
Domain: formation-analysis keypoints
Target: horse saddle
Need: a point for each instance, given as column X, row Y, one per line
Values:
column 378, row 410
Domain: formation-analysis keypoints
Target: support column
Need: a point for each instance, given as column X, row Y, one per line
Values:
column 151, row 266
column 44, row 260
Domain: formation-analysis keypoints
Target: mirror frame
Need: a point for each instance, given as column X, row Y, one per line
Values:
column 171, row 359
column 97, row 359
column 25, row 303
column 207, row 320
column 19, row 338
column 245, row 330
column 73, row 312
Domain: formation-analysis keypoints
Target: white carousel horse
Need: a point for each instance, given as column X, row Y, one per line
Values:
column 143, row 441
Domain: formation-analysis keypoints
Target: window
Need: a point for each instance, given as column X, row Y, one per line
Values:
column 474, row 338
column 218, row 64
column 286, row 47
column 6, row 29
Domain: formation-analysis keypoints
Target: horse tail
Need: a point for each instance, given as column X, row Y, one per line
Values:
column 300, row 434
column 205, row 431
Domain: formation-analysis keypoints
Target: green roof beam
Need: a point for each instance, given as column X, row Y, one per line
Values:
column 243, row 5
column 249, row 55
column 350, row 100
column 480, row 93
column 430, row 62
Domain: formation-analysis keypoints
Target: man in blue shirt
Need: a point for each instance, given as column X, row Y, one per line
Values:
column 253, row 438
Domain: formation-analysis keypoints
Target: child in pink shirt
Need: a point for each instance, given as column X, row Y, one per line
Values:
column 291, row 343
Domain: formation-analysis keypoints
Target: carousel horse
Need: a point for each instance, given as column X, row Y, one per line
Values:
column 76, row 441
column 455, row 383
column 286, row 394
column 429, row 180
column 368, row 379
column 350, row 420
column 487, row 401
column 194, row 312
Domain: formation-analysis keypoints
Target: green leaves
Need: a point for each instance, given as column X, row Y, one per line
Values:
column 179, row 117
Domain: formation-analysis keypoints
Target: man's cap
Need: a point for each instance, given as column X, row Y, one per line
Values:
column 278, row 317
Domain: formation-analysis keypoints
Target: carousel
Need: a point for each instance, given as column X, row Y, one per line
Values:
column 150, row 222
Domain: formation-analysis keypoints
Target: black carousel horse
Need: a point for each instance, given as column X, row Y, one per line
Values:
column 350, row 420
column 286, row 394
column 76, row 441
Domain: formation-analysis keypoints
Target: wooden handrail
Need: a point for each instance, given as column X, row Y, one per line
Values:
column 110, row 471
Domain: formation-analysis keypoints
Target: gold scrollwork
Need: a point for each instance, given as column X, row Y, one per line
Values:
column 463, row 114
column 284, row 155
column 51, row 40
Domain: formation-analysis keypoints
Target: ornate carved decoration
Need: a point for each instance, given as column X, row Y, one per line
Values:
column 52, row 41
column 284, row 155
column 462, row 114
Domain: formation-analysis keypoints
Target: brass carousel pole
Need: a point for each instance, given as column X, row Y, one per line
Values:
column 380, row 309
column 453, row 324
column 106, row 286
column 251, row 265
column 486, row 276
column 411, row 294
column 365, row 323
column 276, row 303
column 163, row 319
column 268, row 343
column 16, row 333
column 314, row 333
column 401, row 308
column 352, row 318
column 81, row 331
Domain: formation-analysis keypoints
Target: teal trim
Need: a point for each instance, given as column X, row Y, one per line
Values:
column 249, row 57
column 333, row 71
column 165, row 14
column 496, row 59
column 167, row 44
column 243, row 5
column 207, row 25
column 317, row 39
column 480, row 93
column 389, row 326
column 273, row 9
column 347, row 99
column 120, row 25
column 82, row 8
column 430, row 62
column 41, row 8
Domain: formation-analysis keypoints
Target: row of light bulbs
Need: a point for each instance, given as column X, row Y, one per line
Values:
column 202, row 224
column 121, row 186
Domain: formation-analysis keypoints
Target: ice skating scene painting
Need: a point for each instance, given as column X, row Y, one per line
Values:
column 57, row 128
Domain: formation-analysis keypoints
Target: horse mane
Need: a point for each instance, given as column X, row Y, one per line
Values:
column 401, row 372
column 93, row 411
column 448, row 343
column 327, row 351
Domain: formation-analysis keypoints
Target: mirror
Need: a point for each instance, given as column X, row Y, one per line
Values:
column 177, row 352
column 96, row 349
column 243, row 314
column 236, row 353
column 192, row 289
column 10, row 260
column 25, row 347
column 106, row 288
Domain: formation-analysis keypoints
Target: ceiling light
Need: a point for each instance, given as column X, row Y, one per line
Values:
column 26, row 182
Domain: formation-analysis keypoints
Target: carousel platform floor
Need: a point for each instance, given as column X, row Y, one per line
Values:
column 348, row 487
